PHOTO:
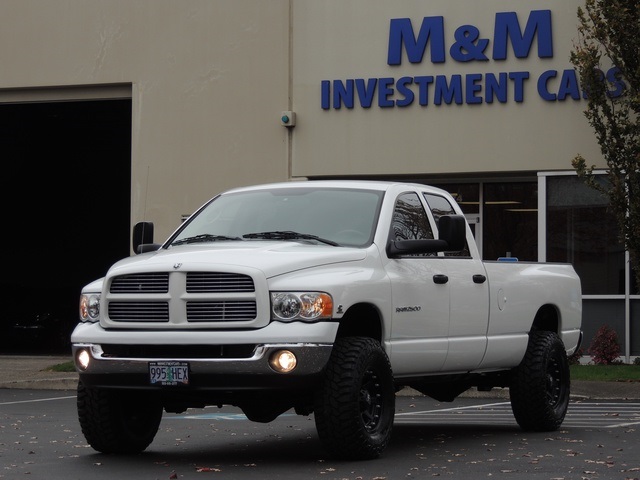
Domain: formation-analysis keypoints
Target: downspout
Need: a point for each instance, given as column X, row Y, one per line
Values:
column 290, row 93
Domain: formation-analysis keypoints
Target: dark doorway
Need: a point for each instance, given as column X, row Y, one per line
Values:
column 66, row 205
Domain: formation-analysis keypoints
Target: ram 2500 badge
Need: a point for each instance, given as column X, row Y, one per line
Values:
column 326, row 298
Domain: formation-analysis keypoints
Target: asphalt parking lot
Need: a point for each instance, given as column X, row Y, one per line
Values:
column 470, row 437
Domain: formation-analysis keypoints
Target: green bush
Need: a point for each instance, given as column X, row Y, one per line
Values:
column 604, row 348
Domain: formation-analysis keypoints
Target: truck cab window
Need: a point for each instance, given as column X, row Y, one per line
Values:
column 410, row 221
column 440, row 206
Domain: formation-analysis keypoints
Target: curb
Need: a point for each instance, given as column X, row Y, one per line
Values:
column 66, row 383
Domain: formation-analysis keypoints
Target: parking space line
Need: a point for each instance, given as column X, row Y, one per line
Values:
column 34, row 400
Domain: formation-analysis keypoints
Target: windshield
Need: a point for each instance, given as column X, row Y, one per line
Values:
column 329, row 216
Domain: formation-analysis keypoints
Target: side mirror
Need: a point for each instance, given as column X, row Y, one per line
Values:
column 452, row 231
column 396, row 248
column 142, row 238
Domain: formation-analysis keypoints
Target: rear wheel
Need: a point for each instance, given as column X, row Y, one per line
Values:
column 118, row 421
column 540, row 387
column 355, row 406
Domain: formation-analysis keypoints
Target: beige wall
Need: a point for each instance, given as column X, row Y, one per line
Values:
column 333, row 40
column 209, row 78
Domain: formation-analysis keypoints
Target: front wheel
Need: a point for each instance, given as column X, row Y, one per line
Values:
column 118, row 421
column 355, row 405
column 540, row 387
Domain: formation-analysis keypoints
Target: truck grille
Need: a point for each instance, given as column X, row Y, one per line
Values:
column 220, row 311
column 208, row 282
column 139, row 311
column 175, row 297
column 141, row 283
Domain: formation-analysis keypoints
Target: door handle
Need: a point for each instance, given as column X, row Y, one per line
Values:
column 440, row 279
column 479, row 278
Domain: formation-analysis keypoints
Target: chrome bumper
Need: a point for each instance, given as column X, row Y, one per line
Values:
column 312, row 358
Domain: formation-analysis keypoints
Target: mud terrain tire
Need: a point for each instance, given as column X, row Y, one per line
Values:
column 540, row 387
column 116, row 421
column 355, row 405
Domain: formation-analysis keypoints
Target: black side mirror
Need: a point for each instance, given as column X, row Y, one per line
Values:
column 142, row 238
column 453, row 230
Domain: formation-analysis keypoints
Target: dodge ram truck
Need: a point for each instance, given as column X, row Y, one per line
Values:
column 325, row 298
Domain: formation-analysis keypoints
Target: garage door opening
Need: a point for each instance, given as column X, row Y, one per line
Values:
column 66, row 204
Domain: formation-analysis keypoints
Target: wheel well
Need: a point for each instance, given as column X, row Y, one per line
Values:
column 361, row 320
column 546, row 319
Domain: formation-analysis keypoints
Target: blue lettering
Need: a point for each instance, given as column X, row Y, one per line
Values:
column 405, row 91
column 468, row 46
column 471, row 82
column 507, row 28
column 325, row 94
column 495, row 88
column 401, row 34
column 385, row 91
column 423, row 83
column 470, row 89
column 615, row 78
column 366, row 93
column 342, row 93
column 543, row 81
column 448, row 92
column 569, row 85
column 518, row 78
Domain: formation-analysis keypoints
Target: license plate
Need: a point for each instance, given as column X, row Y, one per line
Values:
column 169, row 373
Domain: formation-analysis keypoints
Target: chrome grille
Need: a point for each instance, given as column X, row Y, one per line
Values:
column 212, row 282
column 141, row 283
column 181, row 298
column 139, row 311
column 221, row 311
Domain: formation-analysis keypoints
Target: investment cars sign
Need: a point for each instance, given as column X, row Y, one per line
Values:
column 427, row 43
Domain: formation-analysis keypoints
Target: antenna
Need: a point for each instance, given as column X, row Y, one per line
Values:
column 144, row 211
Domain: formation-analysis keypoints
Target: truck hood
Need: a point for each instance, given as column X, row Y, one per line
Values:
column 271, row 257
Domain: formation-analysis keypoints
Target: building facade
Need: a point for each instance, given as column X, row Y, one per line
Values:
column 479, row 98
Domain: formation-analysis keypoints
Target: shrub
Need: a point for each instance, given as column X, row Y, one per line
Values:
column 636, row 361
column 604, row 348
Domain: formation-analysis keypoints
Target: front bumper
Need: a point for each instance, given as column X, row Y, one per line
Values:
column 122, row 359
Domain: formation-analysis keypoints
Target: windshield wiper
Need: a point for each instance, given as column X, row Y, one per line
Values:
column 204, row 237
column 289, row 235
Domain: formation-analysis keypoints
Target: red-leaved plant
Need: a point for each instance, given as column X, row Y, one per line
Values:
column 604, row 348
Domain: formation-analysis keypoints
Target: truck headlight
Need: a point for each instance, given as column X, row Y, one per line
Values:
column 304, row 306
column 89, row 307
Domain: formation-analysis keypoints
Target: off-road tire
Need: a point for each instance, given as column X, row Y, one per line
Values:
column 118, row 421
column 355, row 406
column 540, row 386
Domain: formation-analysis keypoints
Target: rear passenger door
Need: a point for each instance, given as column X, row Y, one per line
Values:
column 469, row 293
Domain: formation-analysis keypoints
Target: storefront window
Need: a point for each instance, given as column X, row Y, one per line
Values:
column 467, row 195
column 581, row 230
column 510, row 221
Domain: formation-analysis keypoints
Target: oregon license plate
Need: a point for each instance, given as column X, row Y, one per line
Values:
column 169, row 373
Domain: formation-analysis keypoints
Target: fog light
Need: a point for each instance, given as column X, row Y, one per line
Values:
column 82, row 359
column 283, row 361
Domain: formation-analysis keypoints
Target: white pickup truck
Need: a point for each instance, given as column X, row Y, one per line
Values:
column 325, row 297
